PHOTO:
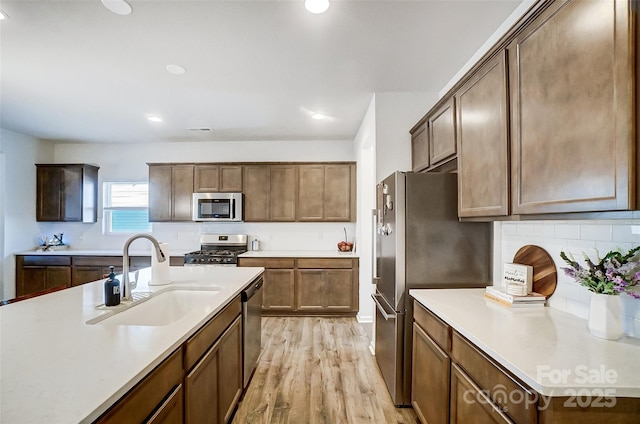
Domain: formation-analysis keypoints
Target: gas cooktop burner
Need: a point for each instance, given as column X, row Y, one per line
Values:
column 216, row 249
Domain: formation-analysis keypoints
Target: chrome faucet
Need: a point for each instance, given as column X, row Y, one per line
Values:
column 126, row 289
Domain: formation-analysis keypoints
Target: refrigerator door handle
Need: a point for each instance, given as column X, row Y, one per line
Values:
column 374, row 251
column 385, row 315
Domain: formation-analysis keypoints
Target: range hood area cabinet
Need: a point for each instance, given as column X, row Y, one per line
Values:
column 66, row 193
column 545, row 121
column 273, row 192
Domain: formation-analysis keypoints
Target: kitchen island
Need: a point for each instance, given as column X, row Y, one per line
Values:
column 531, row 364
column 55, row 367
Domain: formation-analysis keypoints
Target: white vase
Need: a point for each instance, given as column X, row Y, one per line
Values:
column 605, row 316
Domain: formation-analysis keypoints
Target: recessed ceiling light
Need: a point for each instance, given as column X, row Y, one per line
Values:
column 3, row 16
column 175, row 69
column 318, row 116
column 316, row 6
column 120, row 7
column 154, row 118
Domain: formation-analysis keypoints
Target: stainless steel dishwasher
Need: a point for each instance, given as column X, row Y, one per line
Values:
column 251, row 328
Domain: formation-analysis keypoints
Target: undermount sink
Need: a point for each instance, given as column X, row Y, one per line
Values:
column 162, row 308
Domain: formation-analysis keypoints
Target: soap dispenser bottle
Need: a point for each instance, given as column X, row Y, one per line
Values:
column 111, row 290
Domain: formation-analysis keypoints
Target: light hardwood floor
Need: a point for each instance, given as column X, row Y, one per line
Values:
column 317, row 370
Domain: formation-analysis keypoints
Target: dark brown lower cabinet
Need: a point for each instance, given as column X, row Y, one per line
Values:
column 36, row 273
column 469, row 404
column 308, row 286
column 172, row 409
column 214, row 385
column 431, row 376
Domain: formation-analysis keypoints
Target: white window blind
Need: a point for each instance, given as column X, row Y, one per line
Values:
column 126, row 207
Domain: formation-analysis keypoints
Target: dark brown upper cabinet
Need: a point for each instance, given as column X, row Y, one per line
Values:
column 420, row 146
column 67, row 192
column 217, row 178
column 483, row 142
column 573, row 114
column 442, row 133
column 170, row 192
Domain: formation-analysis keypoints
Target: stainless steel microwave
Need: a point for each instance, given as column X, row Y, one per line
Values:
column 217, row 207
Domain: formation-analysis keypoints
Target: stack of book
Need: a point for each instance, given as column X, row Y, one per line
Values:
column 532, row 300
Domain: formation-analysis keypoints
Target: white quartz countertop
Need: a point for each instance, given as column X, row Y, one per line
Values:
column 56, row 368
column 550, row 350
column 298, row 254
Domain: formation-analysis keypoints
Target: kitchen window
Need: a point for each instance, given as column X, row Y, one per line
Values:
column 126, row 207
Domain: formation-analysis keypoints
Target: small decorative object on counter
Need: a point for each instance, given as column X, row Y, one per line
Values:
column 111, row 290
column 614, row 274
column 255, row 245
column 517, row 279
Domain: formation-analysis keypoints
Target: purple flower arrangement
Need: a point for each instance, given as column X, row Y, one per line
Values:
column 614, row 274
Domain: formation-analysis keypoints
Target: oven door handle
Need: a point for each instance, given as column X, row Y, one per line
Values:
column 387, row 316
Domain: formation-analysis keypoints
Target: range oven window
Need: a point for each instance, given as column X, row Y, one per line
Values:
column 214, row 208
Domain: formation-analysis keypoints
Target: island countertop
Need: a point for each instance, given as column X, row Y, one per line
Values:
column 56, row 368
column 549, row 350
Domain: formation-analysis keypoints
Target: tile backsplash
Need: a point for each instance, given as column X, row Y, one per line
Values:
column 576, row 237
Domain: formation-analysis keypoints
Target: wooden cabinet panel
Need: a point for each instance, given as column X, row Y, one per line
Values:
column 170, row 192
column 201, row 390
column 230, row 370
column 437, row 330
column 431, row 377
column 308, row 285
column 311, row 189
column 214, row 386
column 66, row 192
column 311, row 289
column 325, row 290
column 325, row 192
column 231, row 178
column 483, row 155
column 210, row 178
column 84, row 274
column 339, row 291
column 37, row 273
column 520, row 405
column 206, row 178
column 160, row 202
column 573, row 110
column 147, row 395
column 420, row 147
column 256, row 193
column 469, row 404
column 182, row 188
column 282, row 192
column 279, row 290
column 339, row 193
column 442, row 133
column 172, row 410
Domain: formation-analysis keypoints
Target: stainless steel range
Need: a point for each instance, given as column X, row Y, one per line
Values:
column 218, row 249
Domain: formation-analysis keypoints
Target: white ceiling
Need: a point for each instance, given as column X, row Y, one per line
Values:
column 74, row 71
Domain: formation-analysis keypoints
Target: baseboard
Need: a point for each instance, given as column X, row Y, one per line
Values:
column 364, row 319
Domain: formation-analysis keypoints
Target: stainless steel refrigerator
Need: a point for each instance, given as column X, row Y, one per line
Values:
column 420, row 243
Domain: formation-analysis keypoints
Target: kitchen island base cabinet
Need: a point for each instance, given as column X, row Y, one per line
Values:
column 146, row 399
column 214, row 386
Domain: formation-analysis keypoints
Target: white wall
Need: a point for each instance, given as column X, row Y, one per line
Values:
column 18, row 191
column 364, row 145
column 395, row 115
column 575, row 237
